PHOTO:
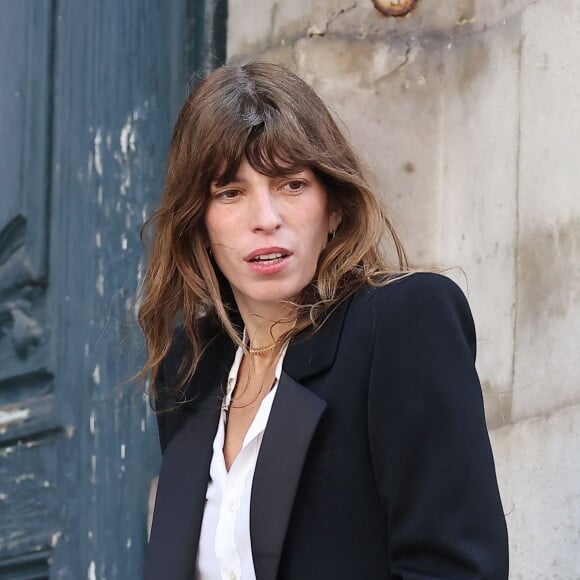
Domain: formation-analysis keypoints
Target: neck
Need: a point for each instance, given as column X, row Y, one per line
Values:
column 266, row 322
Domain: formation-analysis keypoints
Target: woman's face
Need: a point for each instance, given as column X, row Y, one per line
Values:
column 266, row 233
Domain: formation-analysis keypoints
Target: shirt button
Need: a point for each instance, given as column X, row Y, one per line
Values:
column 232, row 575
column 233, row 507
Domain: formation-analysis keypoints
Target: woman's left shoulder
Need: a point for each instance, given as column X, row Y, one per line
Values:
column 415, row 304
column 413, row 292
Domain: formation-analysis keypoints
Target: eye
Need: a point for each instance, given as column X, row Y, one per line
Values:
column 227, row 194
column 294, row 185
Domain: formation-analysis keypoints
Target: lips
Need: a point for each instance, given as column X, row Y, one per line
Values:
column 269, row 261
column 267, row 255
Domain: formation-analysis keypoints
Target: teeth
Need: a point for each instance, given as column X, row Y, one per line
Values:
column 265, row 257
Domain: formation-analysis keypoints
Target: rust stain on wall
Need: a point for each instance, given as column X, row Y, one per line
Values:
column 549, row 272
column 475, row 60
column 394, row 7
column 467, row 15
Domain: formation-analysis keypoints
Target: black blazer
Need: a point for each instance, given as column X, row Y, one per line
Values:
column 375, row 463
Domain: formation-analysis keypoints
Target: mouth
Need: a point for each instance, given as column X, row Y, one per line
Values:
column 268, row 260
column 267, row 255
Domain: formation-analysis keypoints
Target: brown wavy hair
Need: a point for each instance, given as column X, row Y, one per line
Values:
column 268, row 115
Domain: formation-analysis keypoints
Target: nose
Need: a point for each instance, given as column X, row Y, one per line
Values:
column 265, row 215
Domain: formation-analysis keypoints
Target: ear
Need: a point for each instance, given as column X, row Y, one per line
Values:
column 334, row 220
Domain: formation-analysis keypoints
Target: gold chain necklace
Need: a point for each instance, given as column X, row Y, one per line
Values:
column 259, row 350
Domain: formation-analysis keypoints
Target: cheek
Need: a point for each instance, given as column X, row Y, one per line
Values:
column 211, row 224
column 217, row 226
column 315, row 223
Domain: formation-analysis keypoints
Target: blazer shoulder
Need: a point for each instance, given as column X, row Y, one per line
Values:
column 418, row 294
column 179, row 356
column 172, row 411
column 423, row 303
column 419, row 285
column 208, row 330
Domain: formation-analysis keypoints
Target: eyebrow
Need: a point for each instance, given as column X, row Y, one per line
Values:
column 217, row 183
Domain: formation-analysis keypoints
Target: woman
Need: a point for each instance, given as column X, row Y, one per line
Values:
column 319, row 412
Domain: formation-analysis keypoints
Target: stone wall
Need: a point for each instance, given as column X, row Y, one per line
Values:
column 468, row 112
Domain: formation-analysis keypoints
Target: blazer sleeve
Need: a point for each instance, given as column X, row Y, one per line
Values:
column 430, row 448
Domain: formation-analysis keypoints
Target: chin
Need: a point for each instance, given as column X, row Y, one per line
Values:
column 272, row 297
column 276, row 292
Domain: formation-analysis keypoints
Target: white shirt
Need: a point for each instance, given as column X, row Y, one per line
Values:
column 225, row 551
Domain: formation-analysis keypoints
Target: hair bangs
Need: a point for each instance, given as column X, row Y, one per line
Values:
column 278, row 149
column 275, row 145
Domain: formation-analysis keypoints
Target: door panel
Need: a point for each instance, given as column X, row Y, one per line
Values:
column 25, row 37
column 88, row 97
column 29, row 423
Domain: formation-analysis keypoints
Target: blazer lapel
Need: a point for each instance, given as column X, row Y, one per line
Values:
column 310, row 352
column 293, row 420
column 295, row 414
